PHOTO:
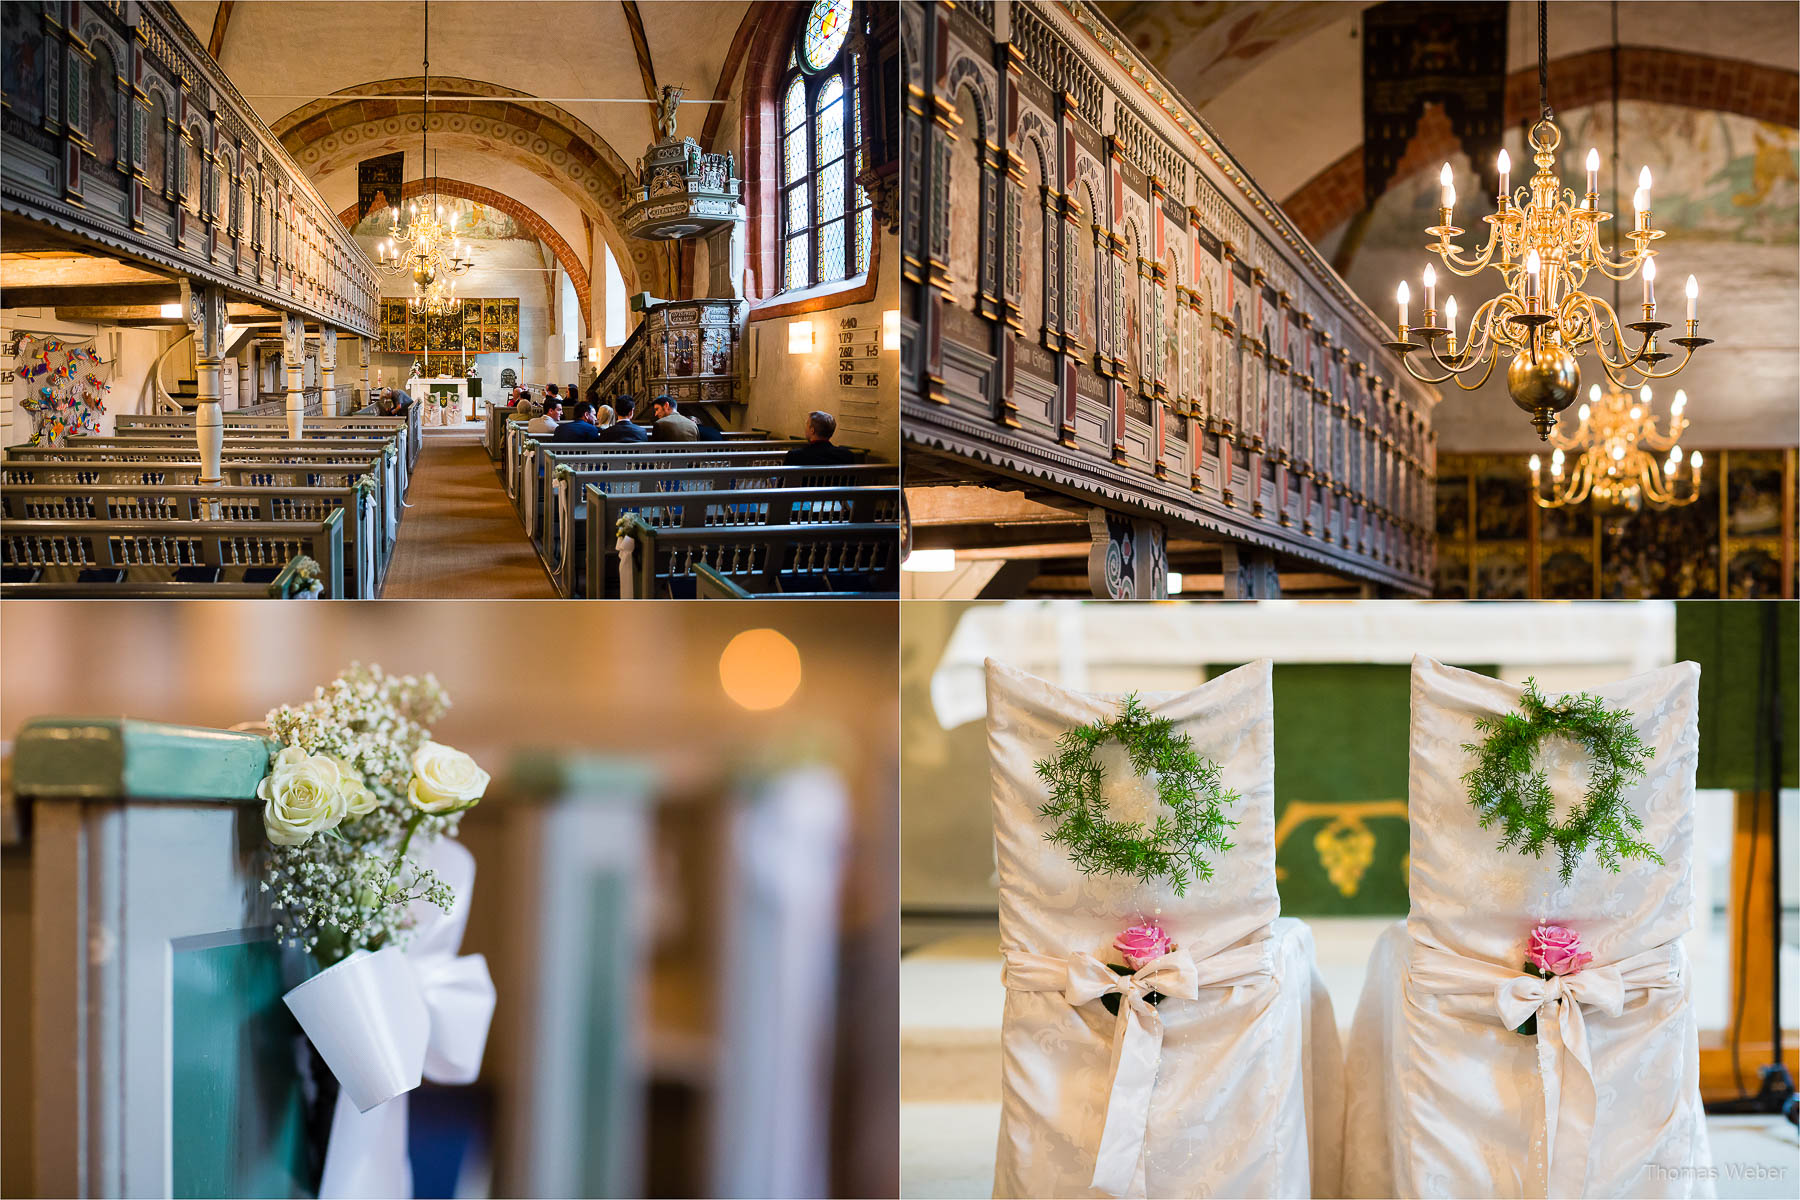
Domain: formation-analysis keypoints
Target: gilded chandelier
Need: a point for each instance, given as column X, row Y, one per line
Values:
column 1620, row 455
column 1544, row 245
column 426, row 249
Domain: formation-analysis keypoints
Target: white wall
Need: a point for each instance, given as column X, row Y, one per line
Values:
column 785, row 387
column 128, row 352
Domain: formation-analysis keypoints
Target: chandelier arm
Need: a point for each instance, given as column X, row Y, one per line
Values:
column 1661, row 441
column 1455, row 263
column 1652, row 373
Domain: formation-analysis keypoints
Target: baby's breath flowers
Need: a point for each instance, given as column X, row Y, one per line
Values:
column 342, row 803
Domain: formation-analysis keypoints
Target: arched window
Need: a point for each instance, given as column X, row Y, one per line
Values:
column 826, row 225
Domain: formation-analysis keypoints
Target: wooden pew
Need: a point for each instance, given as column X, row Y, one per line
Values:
column 564, row 530
column 86, row 557
column 290, row 465
column 397, row 466
column 365, row 562
column 690, row 513
column 371, row 420
column 538, row 462
column 769, row 560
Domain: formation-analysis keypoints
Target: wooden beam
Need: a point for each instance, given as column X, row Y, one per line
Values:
column 215, row 45
column 110, row 295
column 61, row 269
column 634, row 21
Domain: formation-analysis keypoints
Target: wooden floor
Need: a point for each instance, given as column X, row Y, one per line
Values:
column 461, row 538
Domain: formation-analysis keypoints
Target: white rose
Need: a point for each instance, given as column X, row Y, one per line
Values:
column 302, row 795
column 444, row 780
column 358, row 799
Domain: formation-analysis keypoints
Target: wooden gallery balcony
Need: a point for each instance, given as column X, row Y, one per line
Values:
column 1120, row 358
column 129, row 163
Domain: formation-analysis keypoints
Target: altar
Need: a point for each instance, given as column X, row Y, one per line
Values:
column 443, row 400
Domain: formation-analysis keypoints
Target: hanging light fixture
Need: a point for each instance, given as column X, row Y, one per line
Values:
column 426, row 248
column 1543, row 245
column 1619, row 457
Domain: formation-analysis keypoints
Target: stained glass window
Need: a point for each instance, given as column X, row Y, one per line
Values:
column 826, row 226
column 827, row 25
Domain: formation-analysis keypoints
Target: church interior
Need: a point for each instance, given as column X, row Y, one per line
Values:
column 281, row 324
column 1152, row 316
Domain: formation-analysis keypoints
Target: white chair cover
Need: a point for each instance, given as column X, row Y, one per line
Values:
column 1232, row 1086
column 1444, row 1097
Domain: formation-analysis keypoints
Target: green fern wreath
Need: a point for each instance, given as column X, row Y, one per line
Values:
column 1187, row 785
column 1505, row 790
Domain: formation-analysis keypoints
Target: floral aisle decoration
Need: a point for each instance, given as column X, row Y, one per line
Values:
column 1551, row 952
column 1506, row 789
column 361, row 808
column 66, row 394
column 1139, row 945
column 1171, row 846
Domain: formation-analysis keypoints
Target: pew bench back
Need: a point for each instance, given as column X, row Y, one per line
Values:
column 100, row 554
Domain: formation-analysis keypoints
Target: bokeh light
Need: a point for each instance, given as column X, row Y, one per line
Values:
column 760, row 669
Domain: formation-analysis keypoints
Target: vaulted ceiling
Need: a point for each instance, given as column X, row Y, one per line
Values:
column 546, row 103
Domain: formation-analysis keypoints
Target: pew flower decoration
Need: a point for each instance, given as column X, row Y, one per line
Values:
column 1552, row 950
column 355, row 779
column 1139, row 945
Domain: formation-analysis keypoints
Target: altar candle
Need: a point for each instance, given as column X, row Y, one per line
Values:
column 1505, row 171
column 1650, row 282
column 1593, row 170
column 1693, row 295
column 1430, row 291
column 1401, row 295
column 1447, row 195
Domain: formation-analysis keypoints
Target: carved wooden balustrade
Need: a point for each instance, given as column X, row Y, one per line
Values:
column 687, row 349
column 1103, row 309
column 119, row 132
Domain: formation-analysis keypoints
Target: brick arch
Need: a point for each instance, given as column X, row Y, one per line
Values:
column 1762, row 93
column 540, row 228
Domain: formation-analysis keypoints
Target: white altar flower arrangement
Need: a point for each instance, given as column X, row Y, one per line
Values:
column 361, row 808
column 356, row 781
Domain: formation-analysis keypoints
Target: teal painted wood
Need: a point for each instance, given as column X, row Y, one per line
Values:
column 88, row 759
column 610, row 995
column 238, row 1124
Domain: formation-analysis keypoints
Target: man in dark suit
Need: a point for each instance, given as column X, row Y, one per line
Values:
column 670, row 425
column 581, row 428
column 624, row 429
column 818, row 450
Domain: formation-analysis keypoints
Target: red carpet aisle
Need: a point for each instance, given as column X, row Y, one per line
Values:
column 461, row 539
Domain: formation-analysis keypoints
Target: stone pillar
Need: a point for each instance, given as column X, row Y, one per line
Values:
column 1129, row 558
column 205, row 310
column 293, row 355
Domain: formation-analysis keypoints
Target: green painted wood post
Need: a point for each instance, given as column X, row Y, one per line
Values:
column 165, row 1061
column 578, row 835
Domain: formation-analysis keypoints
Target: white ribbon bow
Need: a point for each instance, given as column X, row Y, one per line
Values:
column 1137, row 1033
column 1557, row 1003
column 383, row 1021
column 627, row 548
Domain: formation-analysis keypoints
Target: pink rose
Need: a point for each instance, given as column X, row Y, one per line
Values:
column 1143, row 944
column 1556, row 950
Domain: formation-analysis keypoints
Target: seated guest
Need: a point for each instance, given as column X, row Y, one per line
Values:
column 818, row 450
column 604, row 416
column 706, row 429
column 581, row 429
column 549, row 419
column 670, row 425
column 624, row 429
column 551, row 392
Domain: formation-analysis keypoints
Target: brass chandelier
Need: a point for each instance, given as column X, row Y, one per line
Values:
column 426, row 249
column 1544, row 245
column 1620, row 457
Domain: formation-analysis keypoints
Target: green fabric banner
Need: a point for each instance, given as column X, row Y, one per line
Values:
column 1735, row 642
column 1341, row 736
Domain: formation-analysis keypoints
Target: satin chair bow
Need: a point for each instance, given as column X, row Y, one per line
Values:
column 1570, row 1098
column 432, row 1009
column 1137, row 1031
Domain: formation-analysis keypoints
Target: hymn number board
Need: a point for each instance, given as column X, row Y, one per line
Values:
column 474, row 326
column 858, row 352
